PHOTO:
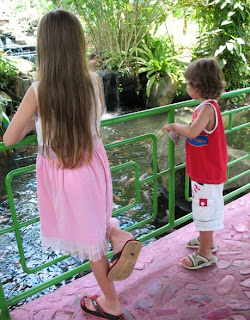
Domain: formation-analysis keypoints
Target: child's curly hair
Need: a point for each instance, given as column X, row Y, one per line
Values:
column 206, row 75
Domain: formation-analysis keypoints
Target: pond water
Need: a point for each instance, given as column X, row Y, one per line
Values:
column 13, row 278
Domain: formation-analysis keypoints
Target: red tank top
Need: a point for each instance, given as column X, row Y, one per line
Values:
column 206, row 155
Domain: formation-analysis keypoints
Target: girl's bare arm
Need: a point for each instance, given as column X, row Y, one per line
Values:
column 100, row 93
column 23, row 121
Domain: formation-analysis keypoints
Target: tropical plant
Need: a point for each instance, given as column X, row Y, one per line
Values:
column 4, row 121
column 41, row 6
column 157, row 57
column 115, row 28
column 8, row 71
column 225, row 33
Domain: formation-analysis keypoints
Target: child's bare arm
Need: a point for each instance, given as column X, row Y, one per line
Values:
column 205, row 116
column 23, row 121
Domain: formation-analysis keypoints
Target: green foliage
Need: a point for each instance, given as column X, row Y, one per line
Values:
column 4, row 102
column 119, row 30
column 225, row 33
column 1, row 112
column 4, row 120
column 42, row 6
column 157, row 57
column 8, row 71
column 116, row 27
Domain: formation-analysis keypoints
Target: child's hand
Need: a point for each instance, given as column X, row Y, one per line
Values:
column 166, row 128
column 169, row 127
column 175, row 137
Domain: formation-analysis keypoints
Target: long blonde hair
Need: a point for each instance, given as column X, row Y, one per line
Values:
column 65, row 91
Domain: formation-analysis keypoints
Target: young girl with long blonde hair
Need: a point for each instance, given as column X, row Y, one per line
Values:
column 73, row 177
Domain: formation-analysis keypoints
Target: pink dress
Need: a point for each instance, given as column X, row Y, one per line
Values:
column 75, row 205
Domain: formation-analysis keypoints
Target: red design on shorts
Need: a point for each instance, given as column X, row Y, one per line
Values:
column 203, row 202
column 195, row 189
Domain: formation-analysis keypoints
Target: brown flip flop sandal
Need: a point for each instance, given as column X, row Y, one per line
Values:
column 125, row 261
column 98, row 313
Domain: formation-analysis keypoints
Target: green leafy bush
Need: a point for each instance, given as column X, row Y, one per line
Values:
column 8, row 71
column 157, row 57
column 225, row 33
column 117, row 27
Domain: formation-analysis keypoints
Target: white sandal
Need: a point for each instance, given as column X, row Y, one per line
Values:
column 195, row 244
column 200, row 261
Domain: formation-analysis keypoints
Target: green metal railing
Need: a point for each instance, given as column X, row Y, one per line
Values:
column 170, row 171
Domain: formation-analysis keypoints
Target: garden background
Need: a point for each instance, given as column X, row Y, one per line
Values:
column 145, row 44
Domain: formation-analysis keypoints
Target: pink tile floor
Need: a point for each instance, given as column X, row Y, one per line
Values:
column 160, row 288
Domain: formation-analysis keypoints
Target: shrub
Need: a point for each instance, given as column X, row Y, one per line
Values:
column 225, row 31
column 157, row 57
column 8, row 71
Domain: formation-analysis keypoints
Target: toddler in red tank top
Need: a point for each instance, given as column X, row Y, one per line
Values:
column 206, row 158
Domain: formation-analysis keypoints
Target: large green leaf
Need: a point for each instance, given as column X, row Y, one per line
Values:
column 225, row 22
column 147, row 51
column 150, row 73
column 240, row 41
column 238, row 5
column 230, row 46
column 1, row 115
column 4, row 120
column 150, row 82
column 144, row 69
column 142, row 60
column 220, row 50
column 244, row 59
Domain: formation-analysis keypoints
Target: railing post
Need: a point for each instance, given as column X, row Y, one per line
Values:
column 171, row 182
column 4, row 311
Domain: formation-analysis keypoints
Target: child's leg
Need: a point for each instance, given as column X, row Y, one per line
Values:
column 109, row 301
column 206, row 243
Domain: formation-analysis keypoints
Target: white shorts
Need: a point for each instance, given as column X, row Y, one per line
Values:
column 207, row 206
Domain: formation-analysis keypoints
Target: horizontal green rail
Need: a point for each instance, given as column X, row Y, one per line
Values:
column 167, row 111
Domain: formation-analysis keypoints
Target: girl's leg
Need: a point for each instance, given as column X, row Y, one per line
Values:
column 118, row 238
column 109, row 300
column 206, row 242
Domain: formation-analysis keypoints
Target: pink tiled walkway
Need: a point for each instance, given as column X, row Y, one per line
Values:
column 160, row 288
